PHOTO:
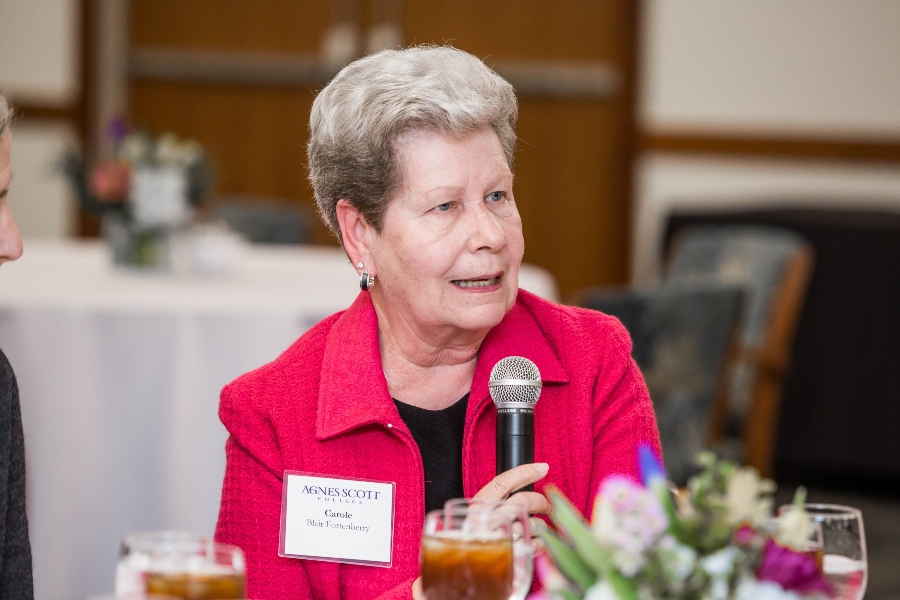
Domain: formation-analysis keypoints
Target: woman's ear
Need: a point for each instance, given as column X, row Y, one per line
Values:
column 355, row 233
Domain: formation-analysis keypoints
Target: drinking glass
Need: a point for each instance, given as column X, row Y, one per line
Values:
column 477, row 550
column 180, row 564
column 843, row 542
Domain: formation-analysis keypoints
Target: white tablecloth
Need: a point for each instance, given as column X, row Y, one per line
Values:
column 119, row 376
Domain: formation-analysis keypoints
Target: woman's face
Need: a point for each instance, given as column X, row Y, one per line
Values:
column 10, row 242
column 449, row 252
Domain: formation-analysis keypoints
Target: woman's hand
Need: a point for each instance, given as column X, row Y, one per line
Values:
column 504, row 484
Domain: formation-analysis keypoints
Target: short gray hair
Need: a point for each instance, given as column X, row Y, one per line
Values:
column 5, row 115
column 357, row 119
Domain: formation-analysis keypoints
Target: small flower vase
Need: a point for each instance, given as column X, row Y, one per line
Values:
column 137, row 247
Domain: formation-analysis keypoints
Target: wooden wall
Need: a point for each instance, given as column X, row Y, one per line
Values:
column 574, row 160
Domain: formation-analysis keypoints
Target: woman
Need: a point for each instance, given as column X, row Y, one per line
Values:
column 15, row 549
column 410, row 158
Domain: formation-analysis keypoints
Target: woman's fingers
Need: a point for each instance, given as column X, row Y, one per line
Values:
column 534, row 503
column 417, row 592
column 506, row 483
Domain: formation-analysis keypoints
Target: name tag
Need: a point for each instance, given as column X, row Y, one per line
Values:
column 337, row 520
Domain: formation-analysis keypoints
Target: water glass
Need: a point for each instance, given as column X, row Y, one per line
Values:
column 179, row 564
column 843, row 543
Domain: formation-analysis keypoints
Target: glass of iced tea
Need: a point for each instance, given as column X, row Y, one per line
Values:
column 477, row 550
column 180, row 565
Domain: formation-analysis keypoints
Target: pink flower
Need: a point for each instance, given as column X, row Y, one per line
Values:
column 110, row 181
column 792, row 570
column 627, row 519
column 745, row 535
column 548, row 574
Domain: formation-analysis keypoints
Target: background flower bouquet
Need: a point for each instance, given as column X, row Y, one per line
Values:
column 715, row 540
column 142, row 186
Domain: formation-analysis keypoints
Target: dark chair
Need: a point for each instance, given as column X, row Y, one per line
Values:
column 772, row 266
column 264, row 220
column 681, row 337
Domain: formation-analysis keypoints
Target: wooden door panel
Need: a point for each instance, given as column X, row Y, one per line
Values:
column 257, row 136
column 573, row 164
column 257, row 25
column 568, row 29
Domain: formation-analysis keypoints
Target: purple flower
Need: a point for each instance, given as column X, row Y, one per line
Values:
column 117, row 129
column 792, row 570
column 651, row 467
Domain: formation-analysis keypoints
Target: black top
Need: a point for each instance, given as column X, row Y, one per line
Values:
column 439, row 435
column 15, row 549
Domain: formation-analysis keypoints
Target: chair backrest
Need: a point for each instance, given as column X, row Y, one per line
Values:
column 681, row 336
column 772, row 267
column 264, row 220
column 753, row 257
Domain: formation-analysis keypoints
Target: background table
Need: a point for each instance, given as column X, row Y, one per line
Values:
column 119, row 376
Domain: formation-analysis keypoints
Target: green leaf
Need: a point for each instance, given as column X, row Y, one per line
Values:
column 573, row 526
column 565, row 594
column 567, row 560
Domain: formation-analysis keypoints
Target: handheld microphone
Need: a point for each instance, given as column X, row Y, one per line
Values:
column 515, row 385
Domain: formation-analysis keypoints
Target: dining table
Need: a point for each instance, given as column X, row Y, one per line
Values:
column 119, row 374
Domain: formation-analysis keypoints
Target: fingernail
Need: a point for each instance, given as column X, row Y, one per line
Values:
column 542, row 468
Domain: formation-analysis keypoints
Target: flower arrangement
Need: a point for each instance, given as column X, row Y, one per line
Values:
column 142, row 186
column 715, row 540
column 104, row 183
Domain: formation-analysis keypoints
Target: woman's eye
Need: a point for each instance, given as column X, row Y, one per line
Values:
column 496, row 196
column 442, row 207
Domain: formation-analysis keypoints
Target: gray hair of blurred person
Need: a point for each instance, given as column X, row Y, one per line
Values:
column 5, row 115
column 357, row 120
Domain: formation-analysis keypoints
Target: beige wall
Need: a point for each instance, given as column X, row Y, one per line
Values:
column 39, row 66
column 809, row 67
column 39, row 42
column 785, row 69
column 39, row 198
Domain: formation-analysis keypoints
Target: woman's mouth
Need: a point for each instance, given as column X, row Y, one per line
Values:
column 476, row 283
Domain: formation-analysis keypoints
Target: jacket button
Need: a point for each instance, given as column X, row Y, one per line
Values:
column 390, row 426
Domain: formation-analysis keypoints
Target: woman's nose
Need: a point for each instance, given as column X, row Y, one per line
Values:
column 10, row 240
column 486, row 230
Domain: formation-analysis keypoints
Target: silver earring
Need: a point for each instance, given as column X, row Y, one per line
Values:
column 366, row 281
column 360, row 265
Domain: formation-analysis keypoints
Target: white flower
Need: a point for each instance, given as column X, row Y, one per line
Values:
column 602, row 590
column 173, row 151
column 751, row 589
column 743, row 489
column 135, row 149
column 677, row 559
column 719, row 565
column 718, row 590
column 794, row 528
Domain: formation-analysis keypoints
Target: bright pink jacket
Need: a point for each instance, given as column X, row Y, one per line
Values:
column 323, row 407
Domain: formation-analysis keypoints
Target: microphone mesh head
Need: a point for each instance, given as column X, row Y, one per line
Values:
column 515, row 379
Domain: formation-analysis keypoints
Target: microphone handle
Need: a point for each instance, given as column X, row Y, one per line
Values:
column 515, row 440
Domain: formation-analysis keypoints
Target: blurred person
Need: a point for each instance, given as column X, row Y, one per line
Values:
column 410, row 158
column 15, row 547
column 10, row 242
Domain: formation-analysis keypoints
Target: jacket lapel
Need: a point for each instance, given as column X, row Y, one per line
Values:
column 353, row 391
